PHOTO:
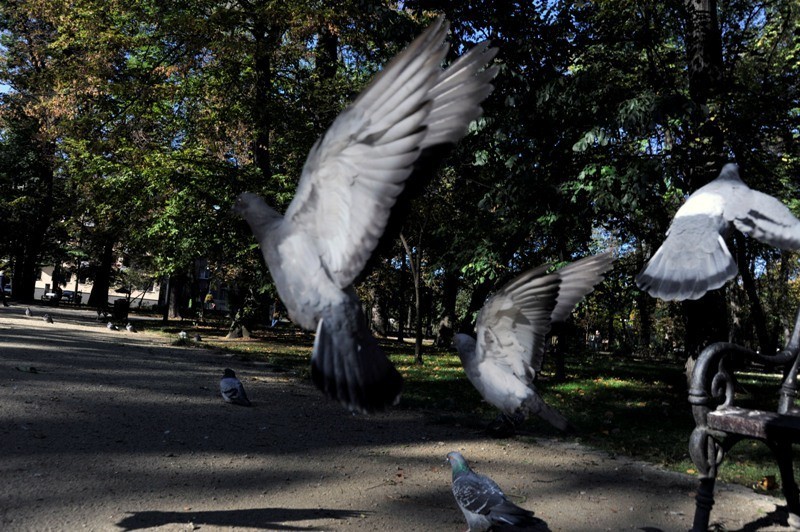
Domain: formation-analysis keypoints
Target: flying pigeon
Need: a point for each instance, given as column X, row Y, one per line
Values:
column 130, row 327
column 351, row 179
column 694, row 257
column 47, row 318
column 504, row 360
column 111, row 327
column 483, row 502
column 28, row 312
column 232, row 390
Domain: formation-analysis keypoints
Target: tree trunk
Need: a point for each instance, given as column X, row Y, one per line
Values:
column 416, row 263
column 765, row 341
column 102, row 281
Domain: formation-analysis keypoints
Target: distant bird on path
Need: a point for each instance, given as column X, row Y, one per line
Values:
column 483, row 502
column 232, row 390
column 47, row 318
column 130, row 327
column 351, row 180
column 694, row 258
column 511, row 331
column 111, row 326
column 28, row 312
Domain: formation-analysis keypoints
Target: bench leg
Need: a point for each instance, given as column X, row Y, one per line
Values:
column 704, row 500
column 783, row 453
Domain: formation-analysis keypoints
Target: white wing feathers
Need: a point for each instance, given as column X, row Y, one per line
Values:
column 355, row 172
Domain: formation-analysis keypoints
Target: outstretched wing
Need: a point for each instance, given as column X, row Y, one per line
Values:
column 355, row 172
column 513, row 323
column 764, row 218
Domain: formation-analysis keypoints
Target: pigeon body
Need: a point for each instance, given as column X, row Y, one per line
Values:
column 483, row 503
column 349, row 184
column 232, row 390
column 47, row 318
column 28, row 312
column 111, row 327
column 130, row 327
column 694, row 257
column 512, row 326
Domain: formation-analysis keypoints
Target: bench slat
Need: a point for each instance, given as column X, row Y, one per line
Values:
column 754, row 423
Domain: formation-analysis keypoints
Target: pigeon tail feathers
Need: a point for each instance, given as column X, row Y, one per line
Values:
column 350, row 367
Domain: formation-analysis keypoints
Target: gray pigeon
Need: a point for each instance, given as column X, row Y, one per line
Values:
column 483, row 502
column 111, row 327
column 351, row 179
column 232, row 390
column 694, row 257
column 503, row 362
column 28, row 312
column 47, row 318
column 130, row 327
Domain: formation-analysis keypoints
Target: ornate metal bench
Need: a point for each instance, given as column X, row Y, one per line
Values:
column 720, row 424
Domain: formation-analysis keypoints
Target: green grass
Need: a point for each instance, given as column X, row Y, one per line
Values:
column 623, row 405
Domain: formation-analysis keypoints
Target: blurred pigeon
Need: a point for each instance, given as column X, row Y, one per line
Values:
column 28, row 312
column 694, row 257
column 502, row 364
column 111, row 326
column 182, row 335
column 351, row 179
column 232, row 390
column 130, row 327
column 47, row 318
column 197, row 338
column 483, row 502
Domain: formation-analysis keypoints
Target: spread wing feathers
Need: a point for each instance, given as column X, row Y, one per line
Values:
column 578, row 279
column 481, row 495
column 514, row 322
column 349, row 366
column 355, row 172
column 764, row 218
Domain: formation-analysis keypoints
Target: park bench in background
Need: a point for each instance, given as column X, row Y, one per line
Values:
column 720, row 424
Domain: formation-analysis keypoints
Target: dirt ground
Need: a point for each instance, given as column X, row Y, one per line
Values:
column 113, row 430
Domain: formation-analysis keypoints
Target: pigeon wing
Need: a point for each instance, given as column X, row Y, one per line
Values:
column 476, row 493
column 514, row 322
column 355, row 172
column 764, row 218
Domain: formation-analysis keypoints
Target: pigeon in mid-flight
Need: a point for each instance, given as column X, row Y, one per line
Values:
column 694, row 258
column 351, row 180
column 47, row 318
column 483, row 502
column 232, row 390
column 502, row 363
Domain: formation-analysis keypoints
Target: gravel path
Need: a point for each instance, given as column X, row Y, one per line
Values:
column 120, row 431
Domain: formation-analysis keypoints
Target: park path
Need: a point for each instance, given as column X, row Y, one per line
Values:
column 122, row 431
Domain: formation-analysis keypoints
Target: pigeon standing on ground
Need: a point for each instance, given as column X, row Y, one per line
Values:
column 47, row 318
column 351, row 179
column 130, row 327
column 28, row 312
column 232, row 390
column 512, row 326
column 111, row 326
column 483, row 502
column 694, row 258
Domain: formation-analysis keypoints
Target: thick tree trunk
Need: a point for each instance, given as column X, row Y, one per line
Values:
column 416, row 263
column 102, row 281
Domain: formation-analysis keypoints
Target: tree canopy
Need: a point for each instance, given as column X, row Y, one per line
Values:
column 129, row 128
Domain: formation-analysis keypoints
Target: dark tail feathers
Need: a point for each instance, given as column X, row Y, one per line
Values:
column 350, row 367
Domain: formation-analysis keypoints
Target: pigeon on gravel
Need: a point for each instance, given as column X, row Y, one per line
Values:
column 351, row 180
column 694, row 257
column 130, row 327
column 483, row 502
column 232, row 390
column 511, row 329
column 111, row 327
column 28, row 312
column 47, row 318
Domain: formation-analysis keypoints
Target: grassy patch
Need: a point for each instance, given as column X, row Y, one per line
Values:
column 628, row 406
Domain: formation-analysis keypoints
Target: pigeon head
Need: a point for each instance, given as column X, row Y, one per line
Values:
column 457, row 462
column 228, row 373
